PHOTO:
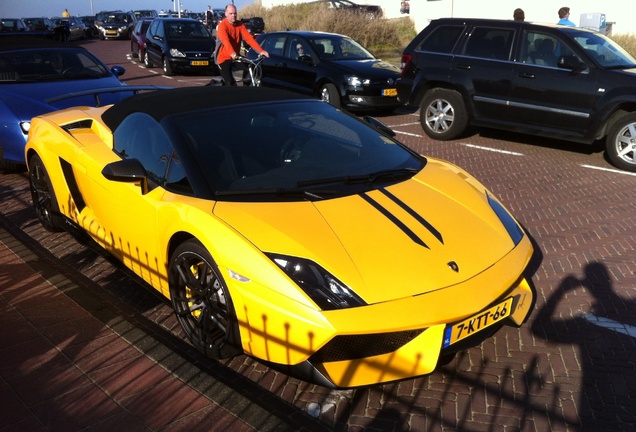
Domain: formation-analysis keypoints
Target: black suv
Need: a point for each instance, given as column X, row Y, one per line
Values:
column 548, row 80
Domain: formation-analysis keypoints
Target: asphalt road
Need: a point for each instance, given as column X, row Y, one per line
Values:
column 569, row 368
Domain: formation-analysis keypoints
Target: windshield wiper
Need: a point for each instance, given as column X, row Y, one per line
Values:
column 312, row 195
column 385, row 175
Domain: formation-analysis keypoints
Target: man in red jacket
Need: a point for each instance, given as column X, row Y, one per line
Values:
column 231, row 33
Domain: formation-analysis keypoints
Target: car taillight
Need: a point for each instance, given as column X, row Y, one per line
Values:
column 406, row 59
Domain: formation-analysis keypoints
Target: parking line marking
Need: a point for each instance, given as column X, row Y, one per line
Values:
column 493, row 149
column 615, row 171
column 611, row 325
column 405, row 124
column 408, row 133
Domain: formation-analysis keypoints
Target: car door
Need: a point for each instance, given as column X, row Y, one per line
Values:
column 154, row 41
column 548, row 97
column 123, row 217
column 483, row 68
column 274, row 74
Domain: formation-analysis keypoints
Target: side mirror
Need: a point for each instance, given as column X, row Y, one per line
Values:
column 377, row 124
column 127, row 171
column 306, row 59
column 118, row 70
column 571, row 62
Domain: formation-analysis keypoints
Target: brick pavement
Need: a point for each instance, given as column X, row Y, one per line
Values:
column 561, row 371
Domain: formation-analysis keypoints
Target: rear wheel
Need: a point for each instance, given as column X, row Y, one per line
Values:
column 43, row 196
column 202, row 302
column 329, row 94
column 443, row 115
column 621, row 143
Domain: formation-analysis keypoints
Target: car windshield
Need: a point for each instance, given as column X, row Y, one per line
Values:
column 339, row 48
column 291, row 150
column 49, row 64
column 116, row 18
column 603, row 50
column 187, row 30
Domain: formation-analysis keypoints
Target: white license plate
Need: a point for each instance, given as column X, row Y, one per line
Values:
column 477, row 322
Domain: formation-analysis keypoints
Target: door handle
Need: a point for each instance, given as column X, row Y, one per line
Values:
column 527, row 75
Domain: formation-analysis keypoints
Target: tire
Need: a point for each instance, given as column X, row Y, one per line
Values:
column 167, row 69
column 329, row 94
column 621, row 143
column 202, row 302
column 8, row 167
column 43, row 196
column 147, row 62
column 443, row 115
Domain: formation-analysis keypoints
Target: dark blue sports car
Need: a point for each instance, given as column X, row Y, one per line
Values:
column 40, row 76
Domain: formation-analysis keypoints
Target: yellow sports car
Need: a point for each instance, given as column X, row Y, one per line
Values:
column 286, row 229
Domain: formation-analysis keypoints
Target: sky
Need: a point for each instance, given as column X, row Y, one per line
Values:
column 51, row 8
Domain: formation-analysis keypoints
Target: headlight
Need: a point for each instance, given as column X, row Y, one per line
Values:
column 176, row 53
column 123, row 28
column 514, row 230
column 320, row 285
column 357, row 82
column 25, row 126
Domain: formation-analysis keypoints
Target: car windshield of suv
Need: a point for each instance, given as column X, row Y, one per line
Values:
column 291, row 150
column 116, row 18
column 187, row 30
column 339, row 48
column 606, row 52
column 49, row 65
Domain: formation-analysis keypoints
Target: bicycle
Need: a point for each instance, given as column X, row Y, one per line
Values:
column 253, row 68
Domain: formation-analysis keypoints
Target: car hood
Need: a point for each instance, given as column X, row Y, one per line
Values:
column 372, row 68
column 27, row 100
column 376, row 243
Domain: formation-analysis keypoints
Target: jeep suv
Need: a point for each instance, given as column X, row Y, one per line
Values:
column 548, row 80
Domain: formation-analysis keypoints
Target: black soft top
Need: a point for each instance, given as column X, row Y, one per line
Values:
column 162, row 103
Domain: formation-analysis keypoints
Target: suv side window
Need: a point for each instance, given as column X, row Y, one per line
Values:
column 490, row 43
column 442, row 39
column 544, row 49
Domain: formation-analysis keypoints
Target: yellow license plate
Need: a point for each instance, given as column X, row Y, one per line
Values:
column 389, row 92
column 477, row 322
column 199, row 63
column 111, row 32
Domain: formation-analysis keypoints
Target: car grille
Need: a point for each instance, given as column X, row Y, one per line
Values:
column 198, row 55
column 361, row 346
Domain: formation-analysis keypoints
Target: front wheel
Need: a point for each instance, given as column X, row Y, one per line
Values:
column 443, row 115
column 329, row 94
column 621, row 143
column 202, row 302
column 167, row 69
column 43, row 195
column 147, row 62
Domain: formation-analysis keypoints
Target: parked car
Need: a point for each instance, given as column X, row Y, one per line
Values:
column 138, row 37
column 179, row 44
column 39, row 76
column 146, row 13
column 331, row 67
column 116, row 25
column 371, row 11
column 547, row 80
column 254, row 25
column 39, row 24
column 68, row 28
column 306, row 238
column 91, row 28
column 12, row 25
